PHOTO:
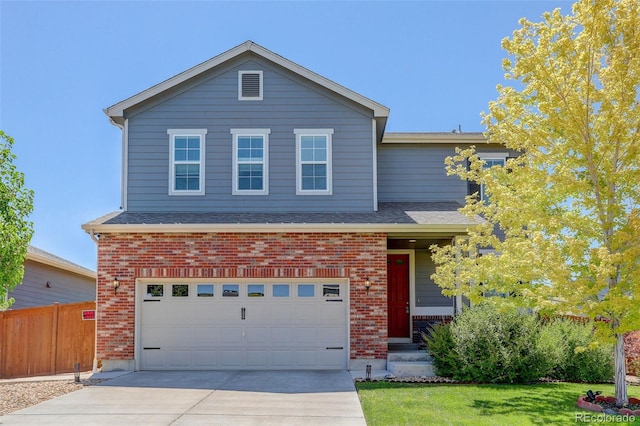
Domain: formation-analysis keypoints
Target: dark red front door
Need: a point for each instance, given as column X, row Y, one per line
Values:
column 398, row 294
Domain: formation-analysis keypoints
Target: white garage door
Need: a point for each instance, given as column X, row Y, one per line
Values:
column 243, row 326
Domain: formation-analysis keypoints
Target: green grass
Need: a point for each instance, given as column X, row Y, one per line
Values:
column 386, row 404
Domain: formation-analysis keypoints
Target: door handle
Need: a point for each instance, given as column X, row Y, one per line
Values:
column 243, row 313
column 406, row 309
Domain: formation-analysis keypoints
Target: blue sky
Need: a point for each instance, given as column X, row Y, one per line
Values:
column 435, row 64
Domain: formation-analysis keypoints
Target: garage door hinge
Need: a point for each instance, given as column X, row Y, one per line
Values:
column 149, row 349
column 333, row 300
column 335, row 347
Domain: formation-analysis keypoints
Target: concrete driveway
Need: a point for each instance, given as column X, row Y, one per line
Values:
column 205, row 398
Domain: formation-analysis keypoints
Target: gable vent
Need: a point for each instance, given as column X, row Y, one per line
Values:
column 250, row 85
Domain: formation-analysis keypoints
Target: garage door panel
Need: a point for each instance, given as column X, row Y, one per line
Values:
column 179, row 359
column 178, row 336
column 231, row 336
column 206, row 336
column 206, row 359
column 308, row 358
column 231, row 358
column 257, row 336
column 153, row 359
column 306, row 313
column 280, row 328
column 281, row 358
column 281, row 335
column 280, row 313
column 305, row 335
column 257, row 359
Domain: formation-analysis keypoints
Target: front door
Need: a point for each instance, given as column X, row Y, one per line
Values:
column 398, row 294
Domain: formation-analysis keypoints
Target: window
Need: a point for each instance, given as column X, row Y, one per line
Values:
column 306, row 290
column 250, row 85
column 490, row 159
column 280, row 290
column 180, row 290
column 230, row 290
column 186, row 174
column 250, row 161
column 155, row 290
column 331, row 290
column 255, row 290
column 205, row 290
column 313, row 161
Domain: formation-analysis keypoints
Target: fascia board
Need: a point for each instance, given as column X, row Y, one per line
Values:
column 116, row 111
column 434, row 138
column 274, row 227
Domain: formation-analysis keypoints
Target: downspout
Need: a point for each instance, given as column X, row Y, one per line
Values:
column 94, row 370
column 374, row 148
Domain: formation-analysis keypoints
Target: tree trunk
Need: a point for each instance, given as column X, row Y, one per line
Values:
column 622, row 398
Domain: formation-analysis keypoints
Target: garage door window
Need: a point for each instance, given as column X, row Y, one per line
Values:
column 255, row 290
column 280, row 290
column 306, row 290
column 180, row 290
column 155, row 290
column 331, row 290
column 230, row 290
column 205, row 290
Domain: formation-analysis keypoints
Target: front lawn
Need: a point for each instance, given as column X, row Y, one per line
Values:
column 387, row 403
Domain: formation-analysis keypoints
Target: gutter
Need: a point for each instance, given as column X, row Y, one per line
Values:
column 93, row 228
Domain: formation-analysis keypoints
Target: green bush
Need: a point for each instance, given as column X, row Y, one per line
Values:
column 440, row 345
column 568, row 342
column 483, row 344
column 498, row 347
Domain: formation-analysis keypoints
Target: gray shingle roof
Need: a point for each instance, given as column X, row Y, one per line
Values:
column 419, row 213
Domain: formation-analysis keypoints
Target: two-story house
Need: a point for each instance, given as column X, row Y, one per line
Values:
column 269, row 222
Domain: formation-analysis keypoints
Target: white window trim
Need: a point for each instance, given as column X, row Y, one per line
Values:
column 491, row 156
column 172, row 170
column 249, row 98
column 265, row 161
column 314, row 132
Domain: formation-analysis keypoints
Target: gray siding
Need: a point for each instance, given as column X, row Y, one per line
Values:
column 212, row 103
column 66, row 287
column 415, row 172
column 428, row 294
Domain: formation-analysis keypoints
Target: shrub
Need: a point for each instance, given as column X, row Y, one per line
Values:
column 440, row 345
column 498, row 347
column 569, row 343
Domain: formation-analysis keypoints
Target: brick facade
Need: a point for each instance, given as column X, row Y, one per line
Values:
column 356, row 256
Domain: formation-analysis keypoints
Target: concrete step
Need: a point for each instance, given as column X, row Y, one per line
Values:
column 409, row 356
column 411, row 368
column 403, row 347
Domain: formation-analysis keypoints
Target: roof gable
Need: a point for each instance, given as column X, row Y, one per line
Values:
column 116, row 111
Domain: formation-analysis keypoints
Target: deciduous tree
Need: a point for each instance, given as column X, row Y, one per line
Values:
column 563, row 214
column 16, row 203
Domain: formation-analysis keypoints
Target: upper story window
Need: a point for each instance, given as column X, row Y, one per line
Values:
column 491, row 159
column 313, row 161
column 250, row 85
column 186, row 174
column 250, row 161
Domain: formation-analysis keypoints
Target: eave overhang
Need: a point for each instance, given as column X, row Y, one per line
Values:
column 471, row 138
column 440, row 229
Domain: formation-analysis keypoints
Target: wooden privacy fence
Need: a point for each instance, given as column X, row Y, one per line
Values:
column 47, row 340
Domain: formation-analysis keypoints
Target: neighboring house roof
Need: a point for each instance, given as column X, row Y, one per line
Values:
column 116, row 112
column 37, row 255
column 390, row 217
